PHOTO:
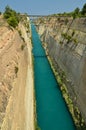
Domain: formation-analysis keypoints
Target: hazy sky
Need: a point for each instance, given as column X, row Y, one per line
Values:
column 42, row 6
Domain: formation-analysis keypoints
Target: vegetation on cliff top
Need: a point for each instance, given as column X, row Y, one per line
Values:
column 11, row 16
column 76, row 13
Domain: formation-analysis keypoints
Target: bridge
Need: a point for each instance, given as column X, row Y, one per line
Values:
column 46, row 16
column 38, row 16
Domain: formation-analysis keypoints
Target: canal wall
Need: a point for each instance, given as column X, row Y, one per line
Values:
column 65, row 42
column 16, row 78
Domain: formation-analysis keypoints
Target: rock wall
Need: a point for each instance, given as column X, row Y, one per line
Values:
column 65, row 41
column 16, row 63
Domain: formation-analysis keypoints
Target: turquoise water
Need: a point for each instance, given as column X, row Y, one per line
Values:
column 52, row 113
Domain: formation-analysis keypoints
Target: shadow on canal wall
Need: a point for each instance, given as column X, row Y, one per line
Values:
column 67, row 50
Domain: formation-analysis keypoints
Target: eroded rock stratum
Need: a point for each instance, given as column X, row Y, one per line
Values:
column 64, row 39
column 15, row 60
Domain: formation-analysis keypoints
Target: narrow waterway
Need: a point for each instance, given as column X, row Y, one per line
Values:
column 52, row 112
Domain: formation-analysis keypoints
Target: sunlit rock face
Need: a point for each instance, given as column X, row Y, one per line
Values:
column 15, row 63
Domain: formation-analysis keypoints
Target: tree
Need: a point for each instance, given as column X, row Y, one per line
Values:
column 77, row 11
column 83, row 12
column 11, row 16
column 12, row 22
column 8, row 12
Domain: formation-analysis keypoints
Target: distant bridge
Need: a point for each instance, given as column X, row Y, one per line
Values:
column 39, row 16
column 35, row 16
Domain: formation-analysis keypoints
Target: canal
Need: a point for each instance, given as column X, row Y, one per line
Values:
column 52, row 112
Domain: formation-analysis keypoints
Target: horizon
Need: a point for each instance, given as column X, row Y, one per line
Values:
column 42, row 7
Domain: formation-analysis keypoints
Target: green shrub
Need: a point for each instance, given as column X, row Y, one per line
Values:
column 11, row 16
column 22, row 47
column 69, row 38
column 37, row 127
column 12, row 22
column 23, row 39
column 61, row 42
column 64, row 35
column 16, row 69
column 83, row 12
column 75, row 41
column 73, row 33
column 20, row 33
column 59, row 19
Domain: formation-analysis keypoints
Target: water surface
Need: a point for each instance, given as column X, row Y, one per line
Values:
column 52, row 112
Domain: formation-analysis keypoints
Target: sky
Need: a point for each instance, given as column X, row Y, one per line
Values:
column 42, row 7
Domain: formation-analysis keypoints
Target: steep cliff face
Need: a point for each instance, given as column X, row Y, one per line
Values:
column 65, row 42
column 15, row 65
